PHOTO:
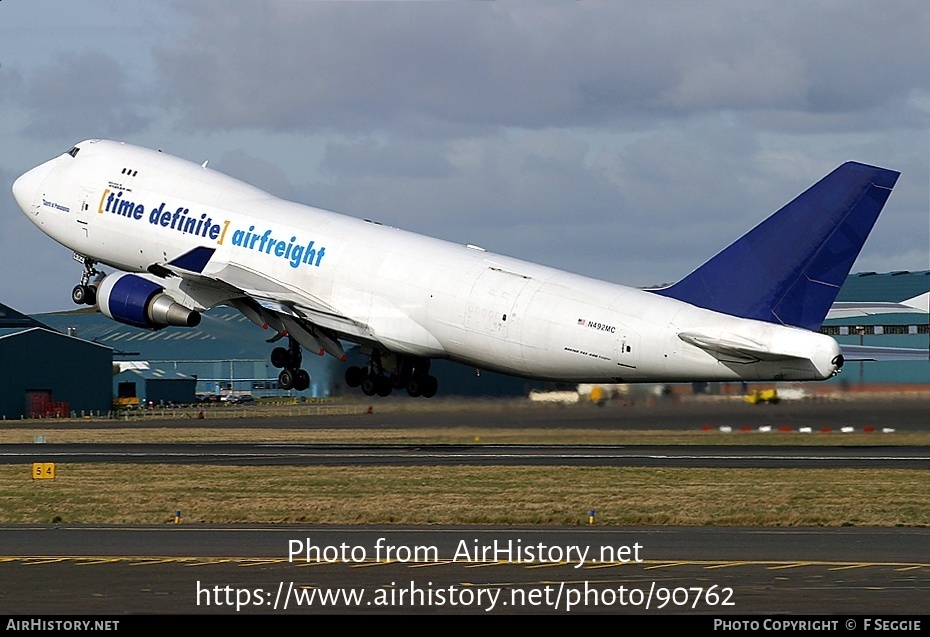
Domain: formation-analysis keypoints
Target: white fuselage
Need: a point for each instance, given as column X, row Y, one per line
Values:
column 131, row 208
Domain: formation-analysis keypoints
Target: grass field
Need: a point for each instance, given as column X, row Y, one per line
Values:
column 150, row 494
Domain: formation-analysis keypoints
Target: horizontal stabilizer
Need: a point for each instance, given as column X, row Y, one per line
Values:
column 739, row 352
column 789, row 269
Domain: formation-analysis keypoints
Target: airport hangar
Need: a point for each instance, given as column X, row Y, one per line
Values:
column 883, row 310
column 44, row 372
column 97, row 359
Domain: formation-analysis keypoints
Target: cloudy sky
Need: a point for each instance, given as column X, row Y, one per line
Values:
column 628, row 141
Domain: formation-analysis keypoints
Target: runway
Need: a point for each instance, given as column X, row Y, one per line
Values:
column 903, row 414
column 823, row 418
column 721, row 456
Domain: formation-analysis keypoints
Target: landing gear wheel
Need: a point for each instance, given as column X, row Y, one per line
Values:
column 302, row 380
column 280, row 357
column 286, row 379
column 385, row 386
column 415, row 387
column 430, row 387
column 370, row 385
column 83, row 295
column 354, row 376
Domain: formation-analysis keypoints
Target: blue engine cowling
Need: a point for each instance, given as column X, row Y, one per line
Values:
column 130, row 299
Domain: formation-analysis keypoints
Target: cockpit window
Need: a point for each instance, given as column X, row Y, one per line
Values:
column 74, row 151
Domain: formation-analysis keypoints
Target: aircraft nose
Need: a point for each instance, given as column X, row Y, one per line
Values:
column 26, row 187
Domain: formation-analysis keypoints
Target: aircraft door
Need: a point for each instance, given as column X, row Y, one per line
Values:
column 84, row 210
column 626, row 352
column 495, row 309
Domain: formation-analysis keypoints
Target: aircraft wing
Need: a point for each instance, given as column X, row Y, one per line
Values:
column 204, row 283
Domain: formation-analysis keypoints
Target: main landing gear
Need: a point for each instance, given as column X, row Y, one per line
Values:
column 387, row 372
column 85, row 293
column 289, row 358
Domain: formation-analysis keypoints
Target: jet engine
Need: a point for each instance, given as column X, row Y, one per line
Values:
column 130, row 299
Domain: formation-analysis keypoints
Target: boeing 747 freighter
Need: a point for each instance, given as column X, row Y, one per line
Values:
column 184, row 238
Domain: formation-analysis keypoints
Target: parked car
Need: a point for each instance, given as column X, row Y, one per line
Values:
column 238, row 399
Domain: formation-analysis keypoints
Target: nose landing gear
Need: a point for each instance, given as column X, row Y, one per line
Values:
column 85, row 293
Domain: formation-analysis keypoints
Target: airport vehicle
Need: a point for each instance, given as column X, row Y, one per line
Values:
column 187, row 238
column 759, row 396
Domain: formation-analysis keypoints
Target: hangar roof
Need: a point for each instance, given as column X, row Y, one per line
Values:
column 11, row 331
column 11, row 319
column 891, row 287
column 222, row 328
column 8, row 332
column 152, row 373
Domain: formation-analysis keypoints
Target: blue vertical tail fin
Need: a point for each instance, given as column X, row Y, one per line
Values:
column 789, row 268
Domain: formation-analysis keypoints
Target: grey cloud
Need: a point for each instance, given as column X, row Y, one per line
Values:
column 257, row 172
column 80, row 96
column 536, row 178
column 364, row 66
column 11, row 83
column 624, row 140
column 645, row 212
column 399, row 158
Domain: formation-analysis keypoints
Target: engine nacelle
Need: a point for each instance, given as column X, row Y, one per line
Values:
column 130, row 299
